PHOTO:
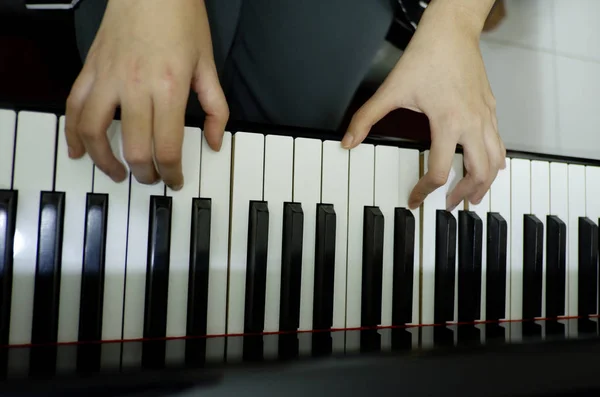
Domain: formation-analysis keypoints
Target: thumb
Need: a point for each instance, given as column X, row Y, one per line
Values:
column 378, row 106
column 213, row 102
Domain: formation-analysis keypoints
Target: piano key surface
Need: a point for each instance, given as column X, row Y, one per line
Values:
column 208, row 249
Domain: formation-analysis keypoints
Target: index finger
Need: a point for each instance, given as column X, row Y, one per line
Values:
column 441, row 155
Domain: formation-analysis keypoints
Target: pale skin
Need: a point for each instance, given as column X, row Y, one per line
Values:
column 147, row 54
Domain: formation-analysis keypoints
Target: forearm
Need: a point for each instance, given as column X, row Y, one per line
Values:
column 471, row 14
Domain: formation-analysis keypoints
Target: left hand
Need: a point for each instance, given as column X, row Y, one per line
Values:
column 442, row 74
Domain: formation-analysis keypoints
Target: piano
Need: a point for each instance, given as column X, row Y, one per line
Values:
column 288, row 264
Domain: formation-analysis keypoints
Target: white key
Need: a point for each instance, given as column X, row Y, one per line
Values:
column 521, row 205
column 387, row 198
column 408, row 178
column 436, row 201
column 33, row 172
column 456, row 174
column 482, row 210
column 75, row 179
column 559, row 206
column 137, row 251
column 500, row 196
column 540, row 207
column 361, row 178
column 279, row 161
column 180, row 232
column 577, row 205
column 247, row 173
column 116, row 240
column 214, row 184
column 8, row 121
column 307, row 191
column 335, row 191
column 592, row 194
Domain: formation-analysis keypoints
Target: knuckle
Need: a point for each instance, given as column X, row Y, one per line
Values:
column 168, row 157
column 137, row 157
column 438, row 178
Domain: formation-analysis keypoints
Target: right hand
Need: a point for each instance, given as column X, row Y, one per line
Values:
column 144, row 58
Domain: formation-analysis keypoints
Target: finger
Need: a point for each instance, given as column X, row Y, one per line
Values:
column 441, row 155
column 169, row 123
column 96, row 116
column 136, row 121
column 477, row 168
column 377, row 107
column 213, row 102
column 496, row 161
column 75, row 102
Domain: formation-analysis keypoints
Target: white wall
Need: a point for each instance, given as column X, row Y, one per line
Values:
column 543, row 63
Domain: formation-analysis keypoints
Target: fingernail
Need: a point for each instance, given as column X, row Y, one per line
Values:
column 71, row 152
column 347, row 141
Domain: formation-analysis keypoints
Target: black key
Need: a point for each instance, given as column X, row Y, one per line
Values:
column 556, row 269
column 495, row 282
column 291, row 267
column 8, row 222
column 197, row 309
column 157, row 267
column 324, row 267
column 470, row 235
column 372, row 267
column 588, row 267
column 404, row 257
column 48, row 268
column 445, row 265
column 256, row 267
column 533, row 254
column 92, row 280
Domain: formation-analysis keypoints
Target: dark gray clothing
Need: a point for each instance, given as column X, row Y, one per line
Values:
column 285, row 62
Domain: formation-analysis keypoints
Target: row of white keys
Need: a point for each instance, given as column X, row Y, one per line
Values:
column 33, row 172
column 8, row 120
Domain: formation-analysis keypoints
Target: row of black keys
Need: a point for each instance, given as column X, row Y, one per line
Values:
column 48, row 266
column 49, row 254
column 470, row 269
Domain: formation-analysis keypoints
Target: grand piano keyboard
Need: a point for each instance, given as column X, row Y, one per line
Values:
column 279, row 232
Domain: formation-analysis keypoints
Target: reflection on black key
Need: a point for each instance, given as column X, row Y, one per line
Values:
column 556, row 280
column 404, row 257
column 496, row 267
column 8, row 220
column 322, row 344
column 324, row 267
column 199, row 267
column 48, row 268
column 470, row 234
column 370, row 341
column 372, row 267
column 291, row 267
column 288, row 346
column 445, row 265
column 89, row 358
column 256, row 267
column 533, row 251
column 588, row 270
column 157, row 267
column 92, row 279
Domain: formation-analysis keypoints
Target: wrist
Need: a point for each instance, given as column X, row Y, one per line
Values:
column 468, row 15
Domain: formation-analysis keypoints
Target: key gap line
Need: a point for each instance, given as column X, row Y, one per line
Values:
column 125, row 270
column 227, row 287
column 14, row 151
